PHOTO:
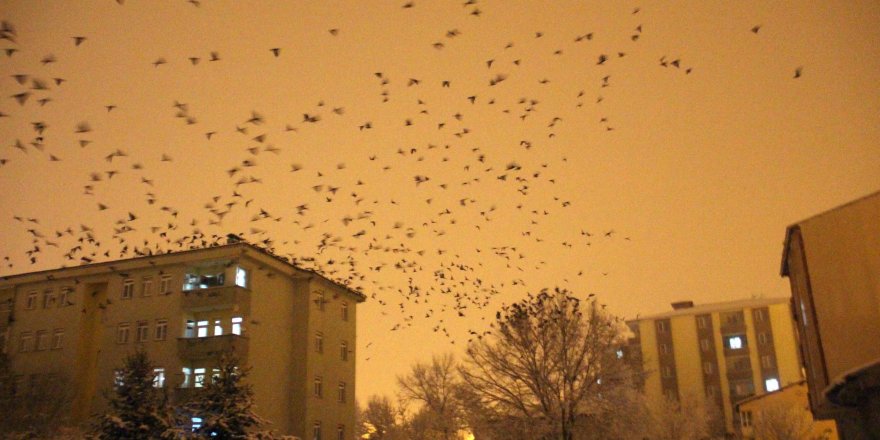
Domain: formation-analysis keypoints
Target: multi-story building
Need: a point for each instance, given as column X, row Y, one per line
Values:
column 832, row 261
column 721, row 353
column 294, row 328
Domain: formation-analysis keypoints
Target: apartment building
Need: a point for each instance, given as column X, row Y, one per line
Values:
column 721, row 353
column 833, row 266
column 293, row 327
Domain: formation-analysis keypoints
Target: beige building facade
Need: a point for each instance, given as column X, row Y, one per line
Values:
column 294, row 328
column 832, row 261
column 717, row 353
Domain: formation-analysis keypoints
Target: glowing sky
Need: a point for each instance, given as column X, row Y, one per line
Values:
column 697, row 174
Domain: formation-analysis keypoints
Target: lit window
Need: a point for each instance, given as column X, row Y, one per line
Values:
column 127, row 289
column 241, row 276
column 196, row 423
column 236, row 325
column 199, row 377
column 58, row 339
column 161, row 329
column 218, row 327
column 31, row 301
column 735, row 342
column 147, row 286
column 143, row 331
column 340, row 395
column 118, row 378
column 187, row 377
column 165, row 285
column 64, row 297
column 159, row 377
column 318, row 387
column 26, row 343
column 343, row 351
column 202, row 329
column 344, row 311
column 619, row 354
column 319, row 342
column 48, row 299
column 771, row 384
column 122, row 333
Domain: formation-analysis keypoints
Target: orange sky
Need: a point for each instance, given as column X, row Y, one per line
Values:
column 701, row 171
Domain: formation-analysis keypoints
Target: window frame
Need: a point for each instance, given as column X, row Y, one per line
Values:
column 142, row 331
column 64, row 294
column 31, row 300
column 123, row 332
column 160, row 333
column 147, row 286
column 43, row 341
column 319, row 342
column 128, row 288
column 49, row 298
column 57, row 339
column 165, row 285
column 25, row 342
column 318, row 387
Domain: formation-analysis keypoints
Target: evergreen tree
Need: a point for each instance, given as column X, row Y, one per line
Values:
column 225, row 404
column 137, row 409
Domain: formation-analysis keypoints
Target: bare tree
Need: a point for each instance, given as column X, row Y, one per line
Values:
column 434, row 386
column 690, row 418
column 35, row 408
column 552, row 364
column 382, row 419
column 782, row 421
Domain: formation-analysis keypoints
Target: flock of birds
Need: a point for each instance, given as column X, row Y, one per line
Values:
column 403, row 265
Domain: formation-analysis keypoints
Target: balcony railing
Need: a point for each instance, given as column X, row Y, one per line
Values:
column 217, row 298
column 213, row 347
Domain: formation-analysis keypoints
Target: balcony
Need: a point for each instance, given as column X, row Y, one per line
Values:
column 217, row 298
column 212, row 347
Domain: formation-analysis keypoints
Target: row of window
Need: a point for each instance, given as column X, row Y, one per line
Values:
column 737, row 365
column 703, row 322
column 146, row 286
column 40, row 340
column 318, row 390
column 50, row 298
column 321, row 300
column 317, row 435
column 142, row 331
column 319, row 346
column 204, row 328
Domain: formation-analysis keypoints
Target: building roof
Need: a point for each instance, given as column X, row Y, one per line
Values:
column 233, row 243
column 783, row 267
column 716, row 307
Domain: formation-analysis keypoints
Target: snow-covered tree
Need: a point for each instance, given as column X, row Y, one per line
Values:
column 136, row 409
column 225, row 404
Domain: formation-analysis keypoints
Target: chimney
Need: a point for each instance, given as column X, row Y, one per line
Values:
column 682, row 305
column 232, row 238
